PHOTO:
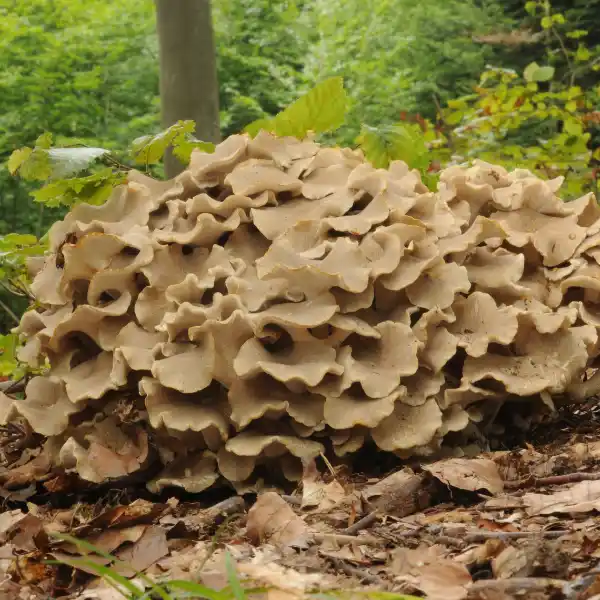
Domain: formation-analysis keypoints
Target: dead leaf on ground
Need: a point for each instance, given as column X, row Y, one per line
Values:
column 272, row 520
column 426, row 570
column 26, row 534
column 513, row 562
column 580, row 497
column 281, row 578
column 151, row 547
column 32, row 569
column 316, row 494
column 35, row 470
column 136, row 513
column 112, row 539
column 471, row 474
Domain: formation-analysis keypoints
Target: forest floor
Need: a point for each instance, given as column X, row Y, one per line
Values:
column 516, row 523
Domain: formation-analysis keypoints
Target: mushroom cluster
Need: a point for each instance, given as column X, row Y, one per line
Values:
column 279, row 299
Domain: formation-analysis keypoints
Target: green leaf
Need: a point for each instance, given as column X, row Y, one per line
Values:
column 530, row 70
column 93, row 189
column 17, row 158
column 150, row 149
column 546, row 22
column 44, row 141
column 183, row 149
column 583, row 53
column 534, row 73
column 8, row 354
column 321, row 110
column 36, row 166
column 576, row 34
column 383, row 145
column 254, row 127
column 66, row 162
column 531, row 7
column 571, row 106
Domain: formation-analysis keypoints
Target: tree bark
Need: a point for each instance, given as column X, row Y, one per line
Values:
column 188, row 73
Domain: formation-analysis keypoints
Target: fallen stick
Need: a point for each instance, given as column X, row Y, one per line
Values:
column 293, row 500
column 361, row 574
column 517, row 584
column 481, row 536
column 361, row 524
column 347, row 539
column 12, row 387
column 550, row 480
column 227, row 507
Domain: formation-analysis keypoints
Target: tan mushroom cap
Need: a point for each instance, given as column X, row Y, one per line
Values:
column 279, row 299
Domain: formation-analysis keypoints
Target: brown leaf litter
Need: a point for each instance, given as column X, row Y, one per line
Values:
column 484, row 528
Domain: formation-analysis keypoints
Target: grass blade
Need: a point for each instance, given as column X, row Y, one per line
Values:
column 232, row 576
column 82, row 544
column 104, row 572
column 199, row 590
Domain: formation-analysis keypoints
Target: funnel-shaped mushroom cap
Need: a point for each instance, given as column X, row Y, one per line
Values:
column 278, row 300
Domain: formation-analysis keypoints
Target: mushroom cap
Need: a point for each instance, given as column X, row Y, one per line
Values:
column 279, row 299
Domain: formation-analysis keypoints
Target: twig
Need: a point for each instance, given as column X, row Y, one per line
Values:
column 230, row 506
column 361, row 524
column 347, row 539
column 512, row 535
column 361, row 574
column 516, row 584
column 565, row 53
column 9, row 312
column 12, row 387
column 293, row 500
column 443, row 122
column 550, row 480
column 449, row 540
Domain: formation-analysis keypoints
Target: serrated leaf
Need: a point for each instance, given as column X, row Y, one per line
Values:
column 254, row 127
column 66, row 162
column 149, row 149
column 17, row 158
column 321, row 110
column 183, row 150
column 36, row 167
column 382, row 145
column 93, row 189
column 44, row 141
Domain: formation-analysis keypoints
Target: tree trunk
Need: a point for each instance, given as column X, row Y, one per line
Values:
column 188, row 74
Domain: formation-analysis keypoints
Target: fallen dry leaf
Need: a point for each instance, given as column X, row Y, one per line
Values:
column 151, row 547
column 138, row 512
column 35, row 470
column 26, row 534
column 316, row 494
column 513, row 562
column 108, row 541
column 281, row 578
column 426, row 570
column 580, row 497
column 472, row 474
column 272, row 520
